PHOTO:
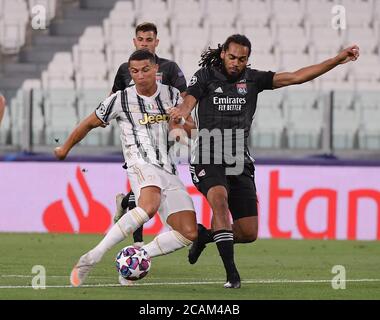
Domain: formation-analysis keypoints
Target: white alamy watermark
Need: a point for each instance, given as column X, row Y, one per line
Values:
column 39, row 280
column 39, row 17
column 339, row 280
column 339, row 20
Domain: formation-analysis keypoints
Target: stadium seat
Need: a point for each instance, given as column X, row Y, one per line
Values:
column 363, row 69
column 253, row 13
column 13, row 19
column 184, row 13
column 5, row 128
column 319, row 13
column 18, row 111
column 165, row 44
column 199, row 40
column 264, row 62
column 88, row 100
column 369, row 131
column 346, row 119
column 116, row 26
column 325, row 40
column 60, row 72
column 359, row 12
column 261, row 38
column 89, row 64
column 156, row 11
column 269, row 122
column 12, row 35
column 288, row 12
column 291, row 39
column 220, row 12
column 363, row 37
column 218, row 34
column 92, row 39
column 304, row 118
column 293, row 62
column 188, row 62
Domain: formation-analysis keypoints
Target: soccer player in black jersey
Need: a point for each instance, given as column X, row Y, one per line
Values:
column 168, row 71
column 169, row 74
column 226, row 90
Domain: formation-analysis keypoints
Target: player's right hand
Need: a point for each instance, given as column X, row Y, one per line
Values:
column 60, row 153
column 176, row 114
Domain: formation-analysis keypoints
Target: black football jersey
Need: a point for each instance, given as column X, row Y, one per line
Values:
column 227, row 105
column 168, row 73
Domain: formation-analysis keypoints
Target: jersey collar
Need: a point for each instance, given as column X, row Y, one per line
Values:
column 151, row 97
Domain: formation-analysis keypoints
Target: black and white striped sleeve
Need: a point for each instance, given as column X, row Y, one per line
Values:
column 110, row 108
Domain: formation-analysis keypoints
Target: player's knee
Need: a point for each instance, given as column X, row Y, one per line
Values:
column 149, row 208
column 189, row 232
column 219, row 203
column 248, row 237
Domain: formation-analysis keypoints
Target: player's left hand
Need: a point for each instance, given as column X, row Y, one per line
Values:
column 349, row 54
column 176, row 115
column 60, row 153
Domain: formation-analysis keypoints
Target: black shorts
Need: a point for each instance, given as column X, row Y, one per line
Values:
column 241, row 189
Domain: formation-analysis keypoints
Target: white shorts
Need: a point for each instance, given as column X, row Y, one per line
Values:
column 174, row 196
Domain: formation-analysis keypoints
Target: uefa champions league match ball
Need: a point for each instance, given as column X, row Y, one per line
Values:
column 132, row 263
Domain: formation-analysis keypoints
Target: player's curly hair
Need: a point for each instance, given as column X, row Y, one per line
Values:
column 211, row 57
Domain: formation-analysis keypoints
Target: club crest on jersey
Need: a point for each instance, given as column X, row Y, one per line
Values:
column 159, row 76
column 242, row 88
column 202, row 173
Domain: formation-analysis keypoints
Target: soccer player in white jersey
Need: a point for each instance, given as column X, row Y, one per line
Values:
column 141, row 111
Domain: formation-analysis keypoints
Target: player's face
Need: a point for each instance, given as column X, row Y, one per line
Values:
column 143, row 73
column 146, row 40
column 235, row 58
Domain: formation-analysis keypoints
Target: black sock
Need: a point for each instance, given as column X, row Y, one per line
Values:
column 125, row 201
column 205, row 236
column 225, row 242
column 138, row 235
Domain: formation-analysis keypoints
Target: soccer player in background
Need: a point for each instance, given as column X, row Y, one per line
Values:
column 169, row 74
column 226, row 90
column 141, row 111
column 2, row 107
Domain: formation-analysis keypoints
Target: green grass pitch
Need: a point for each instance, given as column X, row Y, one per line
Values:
column 270, row 269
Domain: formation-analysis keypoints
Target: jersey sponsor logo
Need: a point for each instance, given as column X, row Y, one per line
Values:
column 219, row 90
column 153, row 118
column 193, row 81
column 228, row 103
column 241, row 88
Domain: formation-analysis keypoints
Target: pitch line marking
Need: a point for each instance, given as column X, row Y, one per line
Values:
column 257, row 281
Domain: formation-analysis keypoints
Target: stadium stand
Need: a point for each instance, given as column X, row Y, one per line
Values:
column 71, row 65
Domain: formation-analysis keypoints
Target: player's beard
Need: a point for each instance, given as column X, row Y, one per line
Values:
column 231, row 77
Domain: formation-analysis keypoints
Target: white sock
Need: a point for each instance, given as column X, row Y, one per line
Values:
column 127, row 224
column 165, row 243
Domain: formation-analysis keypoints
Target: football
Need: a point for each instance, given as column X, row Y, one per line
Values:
column 133, row 263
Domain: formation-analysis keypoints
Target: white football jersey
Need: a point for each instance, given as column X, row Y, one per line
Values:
column 143, row 123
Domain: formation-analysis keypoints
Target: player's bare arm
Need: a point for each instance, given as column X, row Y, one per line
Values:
column 83, row 128
column 2, row 107
column 284, row 79
column 184, row 109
